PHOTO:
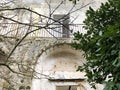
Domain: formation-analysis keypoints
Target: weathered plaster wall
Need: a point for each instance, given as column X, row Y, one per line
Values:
column 28, row 52
column 42, row 7
column 77, row 14
column 59, row 61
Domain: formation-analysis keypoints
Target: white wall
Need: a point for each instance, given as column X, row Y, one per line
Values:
column 42, row 7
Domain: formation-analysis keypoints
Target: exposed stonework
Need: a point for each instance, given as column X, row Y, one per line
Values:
column 29, row 51
column 53, row 59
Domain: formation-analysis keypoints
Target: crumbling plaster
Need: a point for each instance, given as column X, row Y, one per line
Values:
column 54, row 59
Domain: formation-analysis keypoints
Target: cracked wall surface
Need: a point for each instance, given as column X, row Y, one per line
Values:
column 51, row 58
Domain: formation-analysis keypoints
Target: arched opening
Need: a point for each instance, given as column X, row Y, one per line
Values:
column 58, row 67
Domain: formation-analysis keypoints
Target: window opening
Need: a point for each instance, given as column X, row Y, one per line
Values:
column 62, row 26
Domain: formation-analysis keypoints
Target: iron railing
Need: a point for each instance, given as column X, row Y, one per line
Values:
column 56, row 30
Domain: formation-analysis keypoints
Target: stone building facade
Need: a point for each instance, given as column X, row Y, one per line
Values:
column 55, row 60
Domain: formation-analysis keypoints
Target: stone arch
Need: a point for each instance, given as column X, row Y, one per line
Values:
column 62, row 55
column 59, row 62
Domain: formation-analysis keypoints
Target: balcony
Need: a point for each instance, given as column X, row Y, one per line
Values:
column 54, row 30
